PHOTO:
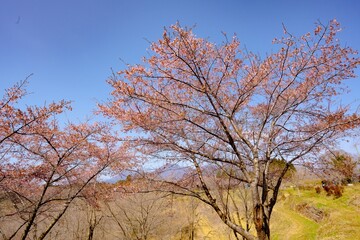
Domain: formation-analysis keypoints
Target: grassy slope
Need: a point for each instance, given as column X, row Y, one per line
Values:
column 341, row 217
column 342, row 220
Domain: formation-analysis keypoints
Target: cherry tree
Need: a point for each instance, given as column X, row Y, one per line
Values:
column 13, row 120
column 217, row 106
column 47, row 165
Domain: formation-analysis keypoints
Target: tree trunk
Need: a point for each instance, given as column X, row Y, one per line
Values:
column 262, row 224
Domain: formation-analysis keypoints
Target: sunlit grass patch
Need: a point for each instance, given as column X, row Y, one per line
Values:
column 341, row 221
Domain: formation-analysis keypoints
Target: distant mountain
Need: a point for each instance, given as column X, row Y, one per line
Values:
column 173, row 171
column 121, row 176
column 166, row 172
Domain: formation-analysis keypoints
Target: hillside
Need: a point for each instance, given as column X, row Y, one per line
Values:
column 300, row 213
column 304, row 214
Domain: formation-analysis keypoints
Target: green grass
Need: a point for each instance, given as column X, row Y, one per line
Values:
column 287, row 223
column 341, row 217
column 341, row 221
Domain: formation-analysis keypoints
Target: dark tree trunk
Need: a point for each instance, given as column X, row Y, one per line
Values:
column 262, row 223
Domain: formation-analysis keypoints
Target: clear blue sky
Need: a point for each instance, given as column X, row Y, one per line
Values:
column 71, row 45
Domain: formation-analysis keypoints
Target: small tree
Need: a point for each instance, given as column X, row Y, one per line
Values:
column 140, row 216
column 276, row 167
column 214, row 105
column 338, row 165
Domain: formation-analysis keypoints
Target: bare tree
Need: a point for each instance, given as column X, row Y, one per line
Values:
column 141, row 216
column 336, row 166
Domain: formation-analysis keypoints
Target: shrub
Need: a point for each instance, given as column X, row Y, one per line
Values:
column 332, row 189
column 318, row 189
column 338, row 191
